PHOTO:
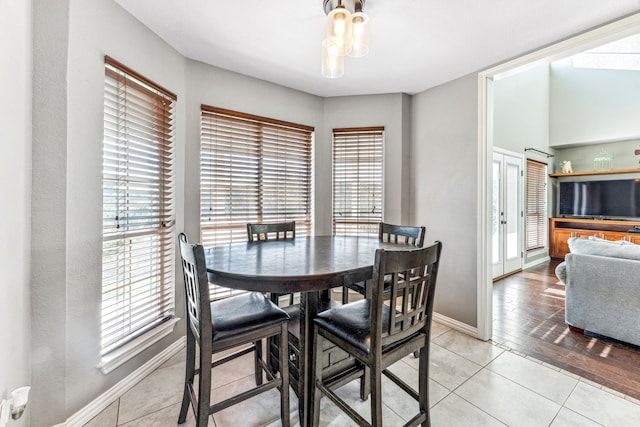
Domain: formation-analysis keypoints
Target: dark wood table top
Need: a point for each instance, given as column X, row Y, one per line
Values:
column 301, row 264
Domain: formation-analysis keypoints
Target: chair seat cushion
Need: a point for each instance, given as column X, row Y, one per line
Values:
column 351, row 323
column 243, row 314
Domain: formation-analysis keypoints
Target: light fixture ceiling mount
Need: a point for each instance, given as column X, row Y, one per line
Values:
column 351, row 5
column 347, row 34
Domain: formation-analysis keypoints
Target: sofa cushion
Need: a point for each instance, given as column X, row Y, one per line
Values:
column 617, row 242
column 578, row 245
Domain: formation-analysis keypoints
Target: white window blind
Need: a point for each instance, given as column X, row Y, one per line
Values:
column 138, row 206
column 357, row 181
column 536, row 204
column 253, row 169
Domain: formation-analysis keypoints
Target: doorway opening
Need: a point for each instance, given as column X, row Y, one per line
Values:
column 487, row 79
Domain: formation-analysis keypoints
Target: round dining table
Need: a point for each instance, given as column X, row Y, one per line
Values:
column 304, row 264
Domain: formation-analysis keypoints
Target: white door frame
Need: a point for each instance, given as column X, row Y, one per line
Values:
column 607, row 33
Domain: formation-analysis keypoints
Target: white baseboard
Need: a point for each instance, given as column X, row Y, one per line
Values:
column 536, row 262
column 99, row 404
column 455, row 324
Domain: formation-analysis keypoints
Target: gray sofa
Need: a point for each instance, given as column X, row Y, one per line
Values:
column 602, row 281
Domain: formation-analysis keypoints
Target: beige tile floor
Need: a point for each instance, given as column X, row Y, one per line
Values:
column 472, row 383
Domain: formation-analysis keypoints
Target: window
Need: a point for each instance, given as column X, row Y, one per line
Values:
column 252, row 169
column 357, row 181
column 138, row 207
column 536, row 204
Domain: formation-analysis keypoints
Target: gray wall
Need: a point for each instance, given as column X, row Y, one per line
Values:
column 591, row 105
column 445, row 174
column 15, row 197
column 521, row 111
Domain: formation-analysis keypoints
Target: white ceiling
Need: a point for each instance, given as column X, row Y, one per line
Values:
column 414, row 44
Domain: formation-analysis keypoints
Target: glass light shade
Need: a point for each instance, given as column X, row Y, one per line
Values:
column 20, row 396
column 339, row 30
column 359, row 34
column 332, row 65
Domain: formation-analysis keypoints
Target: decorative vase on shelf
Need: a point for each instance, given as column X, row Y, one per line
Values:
column 603, row 161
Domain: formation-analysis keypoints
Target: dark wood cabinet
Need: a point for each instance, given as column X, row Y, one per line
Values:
column 561, row 229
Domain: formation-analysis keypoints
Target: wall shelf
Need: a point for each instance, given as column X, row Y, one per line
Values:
column 612, row 171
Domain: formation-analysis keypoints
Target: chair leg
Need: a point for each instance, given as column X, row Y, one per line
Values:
column 272, row 342
column 204, row 385
column 285, row 413
column 376, row 392
column 316, row 376
column 256, row 361
column 423, row 384
column 365, row 383
column 345, row 295
column 188, row 377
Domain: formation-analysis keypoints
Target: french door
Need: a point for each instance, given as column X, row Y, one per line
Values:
column 507, row 221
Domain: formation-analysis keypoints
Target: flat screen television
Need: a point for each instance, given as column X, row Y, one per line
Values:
column 611, row 199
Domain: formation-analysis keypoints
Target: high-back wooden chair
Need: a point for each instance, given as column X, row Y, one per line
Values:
column 397, row 234
column 271, row 231
column 262, row 234
column 401, row 234
column 242, row 320
column 379, row 331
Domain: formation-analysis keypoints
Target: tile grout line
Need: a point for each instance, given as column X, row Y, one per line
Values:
column 470, row 403
column 572, row 375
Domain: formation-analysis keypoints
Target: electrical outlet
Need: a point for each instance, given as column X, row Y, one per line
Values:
column 5, row 412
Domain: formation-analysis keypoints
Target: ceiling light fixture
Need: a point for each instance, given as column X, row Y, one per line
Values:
column 347, row 34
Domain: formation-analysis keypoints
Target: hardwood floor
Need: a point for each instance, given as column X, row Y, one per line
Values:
column 528, row 317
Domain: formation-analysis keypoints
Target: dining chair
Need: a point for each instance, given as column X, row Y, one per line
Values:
column 271, row 231
column 212, row 327
column 262, row 232
column 379, row 331
column 390, row 233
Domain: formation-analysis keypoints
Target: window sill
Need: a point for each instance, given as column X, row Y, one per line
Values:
column 127, row 352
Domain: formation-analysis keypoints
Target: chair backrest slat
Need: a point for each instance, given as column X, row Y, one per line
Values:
column 196, row 284
column 272, row 231
column 401, row 234
column 410, row 277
